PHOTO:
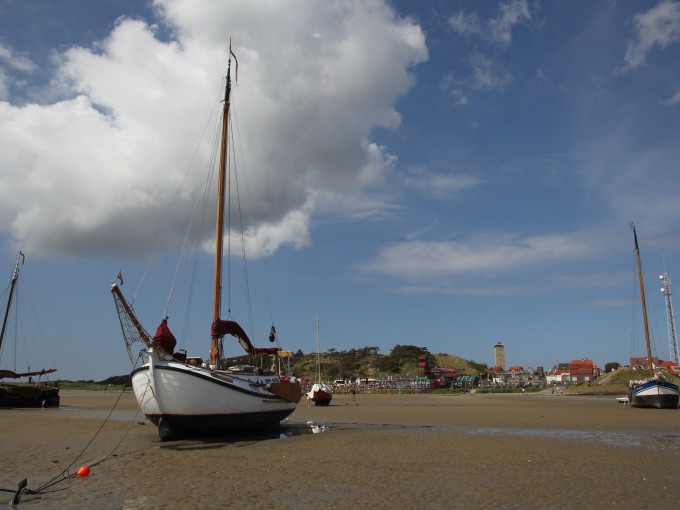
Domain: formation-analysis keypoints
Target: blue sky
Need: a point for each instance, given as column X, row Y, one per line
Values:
column 437, row 173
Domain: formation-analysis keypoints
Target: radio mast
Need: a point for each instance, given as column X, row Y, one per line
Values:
column 672, row 338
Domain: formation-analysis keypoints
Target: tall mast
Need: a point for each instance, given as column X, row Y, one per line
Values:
column 216, row 341
column 644, row 302
column 672, row 337
column 15, row 277
column 318, row 349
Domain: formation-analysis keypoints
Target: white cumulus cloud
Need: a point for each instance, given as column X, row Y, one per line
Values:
column 97, row 170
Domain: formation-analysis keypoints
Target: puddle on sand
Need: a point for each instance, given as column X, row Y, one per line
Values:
column 289, row 429
column 284, row 431
column 626, row 439
column 611, row 438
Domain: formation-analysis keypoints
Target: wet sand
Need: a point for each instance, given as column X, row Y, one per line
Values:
column 380, row 452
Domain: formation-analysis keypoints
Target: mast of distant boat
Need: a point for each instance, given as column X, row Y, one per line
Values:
column 15, row 277
column 318, row 349
column 644, row 303
column 216, row 341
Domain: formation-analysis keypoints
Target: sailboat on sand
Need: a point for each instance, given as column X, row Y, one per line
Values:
column 40, row 393
column 654, row 391
column 320, row 393
column 187, row 396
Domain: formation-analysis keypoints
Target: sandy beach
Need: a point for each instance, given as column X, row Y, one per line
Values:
column 398, row 451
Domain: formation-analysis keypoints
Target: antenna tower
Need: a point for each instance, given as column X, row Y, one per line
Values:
column 672, row 338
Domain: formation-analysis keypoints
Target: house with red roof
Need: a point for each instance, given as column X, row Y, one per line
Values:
column 641, row 363
column 582, row 370
column 671, row 367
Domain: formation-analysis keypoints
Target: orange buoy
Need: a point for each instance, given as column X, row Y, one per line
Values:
column 83, row 471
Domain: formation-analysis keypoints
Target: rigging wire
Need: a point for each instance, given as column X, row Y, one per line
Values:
column 174, row 199
column 187, row 263
column 24, row 321
column 24, row 302
column 243, row 250
column 260, row 253
column 636, row 327
column 634, row 312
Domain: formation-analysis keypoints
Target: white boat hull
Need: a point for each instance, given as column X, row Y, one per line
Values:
column 183, row 399
column 320, row 394
column 655, row 393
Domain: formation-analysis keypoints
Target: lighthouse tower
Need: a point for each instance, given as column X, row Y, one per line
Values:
column 499, row 355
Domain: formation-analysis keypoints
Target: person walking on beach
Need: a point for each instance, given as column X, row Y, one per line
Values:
column 353, row 392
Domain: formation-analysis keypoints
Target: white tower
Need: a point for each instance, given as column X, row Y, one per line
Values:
column 672, row 338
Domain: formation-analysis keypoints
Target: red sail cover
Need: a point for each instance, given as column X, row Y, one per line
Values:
column 164, row 338
column 221, row 328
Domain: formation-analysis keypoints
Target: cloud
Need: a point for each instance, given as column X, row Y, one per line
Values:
column 605, row 303
column 14, row 61
column 510, row 14
column 673, row 100
column 425, row 262
column 633, row 180
column 11, row 62
column 659, row 26
column 497, row 30
column 103, row 162
column 476, row 291
column 485, row 75
column 438, row 184
column 466, row 24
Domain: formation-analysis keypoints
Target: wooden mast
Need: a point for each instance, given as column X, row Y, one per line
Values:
column 15, row 277
column 216, row 341
column 644, row 302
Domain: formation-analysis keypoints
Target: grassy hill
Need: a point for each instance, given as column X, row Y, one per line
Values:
column 612, row 383
column 402, row 361
column 462, row 364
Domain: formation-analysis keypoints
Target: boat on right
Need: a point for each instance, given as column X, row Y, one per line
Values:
column 655, row 390
column 320, row 393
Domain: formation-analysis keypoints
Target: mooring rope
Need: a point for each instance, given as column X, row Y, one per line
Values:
column 22, row 488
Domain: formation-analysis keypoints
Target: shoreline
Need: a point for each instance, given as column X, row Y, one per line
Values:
column 382, row 451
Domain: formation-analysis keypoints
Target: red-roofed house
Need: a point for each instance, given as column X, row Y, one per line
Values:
column 559, row 376
column 641, row 363
column 581, row 370
column 671, row 367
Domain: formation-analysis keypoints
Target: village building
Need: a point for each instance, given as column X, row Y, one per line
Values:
column 641, row 363
column 575, row 372
column 581, row 371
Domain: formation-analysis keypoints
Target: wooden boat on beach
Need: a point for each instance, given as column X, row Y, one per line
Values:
column 187, row 396
column 653, row 391
column 31, row 392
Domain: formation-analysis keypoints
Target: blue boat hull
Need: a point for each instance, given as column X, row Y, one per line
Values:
column 655, row 393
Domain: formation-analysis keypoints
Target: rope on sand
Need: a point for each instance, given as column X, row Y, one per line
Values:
column 22, row 488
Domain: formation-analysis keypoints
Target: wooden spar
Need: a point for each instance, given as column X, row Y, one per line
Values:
column 15, row 277
column 131, row 315
column 215, row 347
column 644, row 302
